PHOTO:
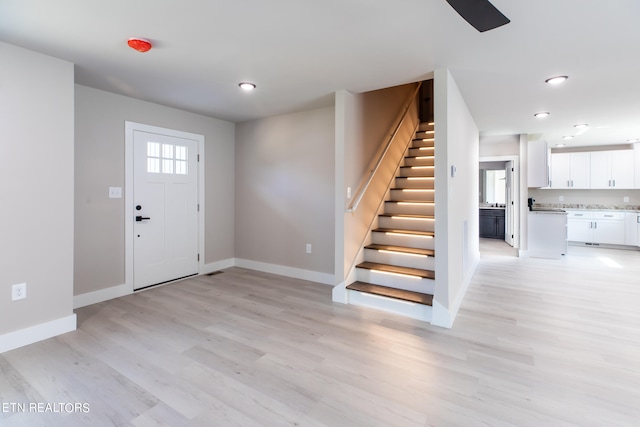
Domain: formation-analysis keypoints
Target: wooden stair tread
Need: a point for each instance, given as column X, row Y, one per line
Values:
column 389, row 215
column 425, row 274
column 397, row 230
column 402, row 249
column 385, row 291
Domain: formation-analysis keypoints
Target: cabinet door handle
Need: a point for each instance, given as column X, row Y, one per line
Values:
column 614, row 182
column 568, row 183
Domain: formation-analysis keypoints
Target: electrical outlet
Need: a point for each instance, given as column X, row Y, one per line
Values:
column 18, row 291
column 561, row 198
column 308, row 248
column 626, row 199
column 348, row 192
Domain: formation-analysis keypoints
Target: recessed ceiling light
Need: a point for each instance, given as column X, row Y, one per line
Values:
column 567, row 137
column 247, row 86
column 542, row 114
column 556, row 80
column 581, row 126
column 633, row 140
column 561, row 145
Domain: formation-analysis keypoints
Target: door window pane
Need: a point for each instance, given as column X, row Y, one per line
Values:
column 153, row 157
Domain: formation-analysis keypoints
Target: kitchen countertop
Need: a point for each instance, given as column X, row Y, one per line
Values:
column 581, row 207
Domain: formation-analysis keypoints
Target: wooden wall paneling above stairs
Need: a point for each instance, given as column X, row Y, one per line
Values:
column 399, row 262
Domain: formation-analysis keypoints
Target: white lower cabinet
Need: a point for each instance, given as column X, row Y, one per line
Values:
column 597, row 227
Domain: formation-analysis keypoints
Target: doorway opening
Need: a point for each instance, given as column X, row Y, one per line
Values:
column 498, row 199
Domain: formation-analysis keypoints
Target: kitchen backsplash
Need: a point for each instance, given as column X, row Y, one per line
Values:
column 586, row 199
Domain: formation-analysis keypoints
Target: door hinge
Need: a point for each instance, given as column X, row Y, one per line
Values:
column 198, row 257
column 198, row 157
column 198, row 207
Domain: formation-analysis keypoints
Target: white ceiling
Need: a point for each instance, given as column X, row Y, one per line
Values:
column 299, row 52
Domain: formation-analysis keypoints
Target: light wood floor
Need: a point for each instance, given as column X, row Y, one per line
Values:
column 536, row 343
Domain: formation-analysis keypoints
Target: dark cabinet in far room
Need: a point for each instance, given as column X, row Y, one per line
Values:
column 492, row 223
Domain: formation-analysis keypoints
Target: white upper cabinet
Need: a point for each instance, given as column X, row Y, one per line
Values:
column 570, row 170
column 612, row 169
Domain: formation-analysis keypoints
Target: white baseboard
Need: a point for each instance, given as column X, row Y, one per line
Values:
column 36, row 333
column 297, row 273
column 218, row 265
column 95, row 297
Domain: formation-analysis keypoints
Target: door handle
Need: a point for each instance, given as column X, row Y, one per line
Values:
column 142, row 218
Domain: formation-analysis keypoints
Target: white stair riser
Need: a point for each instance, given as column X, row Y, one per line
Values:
column 425, row 286
column 415, row 183
column 418, row 196
column 402, row 308
column 418, row 209
column 417, row 172
column 406, row 224
column 426, row 126
column 397, row 240
column 398, row 259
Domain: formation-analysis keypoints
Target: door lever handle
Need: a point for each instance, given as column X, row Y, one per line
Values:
column 142, row 218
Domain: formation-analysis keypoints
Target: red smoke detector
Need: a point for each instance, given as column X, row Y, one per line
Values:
column 141, row 45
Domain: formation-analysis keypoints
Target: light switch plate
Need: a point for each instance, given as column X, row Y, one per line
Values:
column 115, row 192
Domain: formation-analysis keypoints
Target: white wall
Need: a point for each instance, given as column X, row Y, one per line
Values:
column 499, row 145
column 285, row 182
column 99, row 162
column 36, row 194
column 456, row 229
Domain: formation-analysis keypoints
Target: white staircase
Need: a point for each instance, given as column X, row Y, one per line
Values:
column 398, row 272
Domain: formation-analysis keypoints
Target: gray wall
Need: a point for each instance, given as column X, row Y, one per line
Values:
column 365, row 123
column 285, row 190
column 99, row 162
column 36, row 187
column 370, row 123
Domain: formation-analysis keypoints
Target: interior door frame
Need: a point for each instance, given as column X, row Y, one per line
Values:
column 516, row 193
column 130, row 128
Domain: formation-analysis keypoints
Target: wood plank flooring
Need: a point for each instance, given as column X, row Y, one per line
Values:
column 536, row 343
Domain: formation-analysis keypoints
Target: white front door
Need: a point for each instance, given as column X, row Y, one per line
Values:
column 165, row 208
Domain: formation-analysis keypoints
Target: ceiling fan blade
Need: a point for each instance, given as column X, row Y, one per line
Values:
column 481, row 14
